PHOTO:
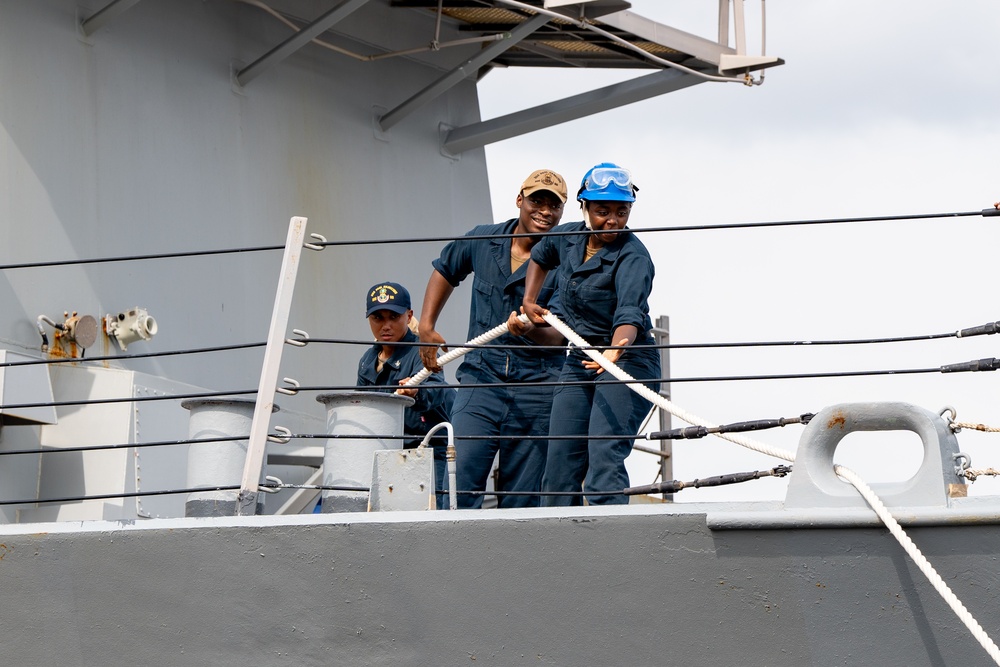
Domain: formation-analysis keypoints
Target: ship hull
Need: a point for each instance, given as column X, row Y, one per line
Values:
column 639, row 585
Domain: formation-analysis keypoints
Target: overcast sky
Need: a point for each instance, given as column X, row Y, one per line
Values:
column 882, row 108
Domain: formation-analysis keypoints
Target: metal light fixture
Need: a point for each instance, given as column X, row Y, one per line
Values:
column 130, row 326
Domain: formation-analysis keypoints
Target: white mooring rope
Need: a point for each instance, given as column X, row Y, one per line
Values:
column 925, row 566
column 845, row 473
column 448, row 357
column 849, row 475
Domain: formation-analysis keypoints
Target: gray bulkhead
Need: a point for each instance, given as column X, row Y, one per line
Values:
column 136, row 139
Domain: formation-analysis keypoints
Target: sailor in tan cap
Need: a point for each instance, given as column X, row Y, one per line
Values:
column 514, row 405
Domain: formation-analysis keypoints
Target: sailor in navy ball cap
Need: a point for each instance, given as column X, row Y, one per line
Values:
column 389, row 313
column 388, row 296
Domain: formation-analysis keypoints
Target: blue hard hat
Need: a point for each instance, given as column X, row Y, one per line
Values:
column 607, row 182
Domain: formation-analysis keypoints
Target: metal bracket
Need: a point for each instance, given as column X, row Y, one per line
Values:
column 272, row 480
column 301, row 334
column 283, row 439
column 285, row 390
column 313, row 246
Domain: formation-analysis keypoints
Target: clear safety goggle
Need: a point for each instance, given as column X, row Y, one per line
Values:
column 601, row 177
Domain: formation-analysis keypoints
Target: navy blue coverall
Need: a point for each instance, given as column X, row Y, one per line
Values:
column 609, row 290
column 432, row 405
column 520, row 409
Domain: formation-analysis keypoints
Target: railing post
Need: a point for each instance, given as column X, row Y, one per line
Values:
column 661, row 333
column 250, row 485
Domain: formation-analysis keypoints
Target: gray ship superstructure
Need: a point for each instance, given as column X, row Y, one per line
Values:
column 155, row 158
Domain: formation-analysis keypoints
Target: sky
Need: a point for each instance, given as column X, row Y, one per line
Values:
column 887, row 108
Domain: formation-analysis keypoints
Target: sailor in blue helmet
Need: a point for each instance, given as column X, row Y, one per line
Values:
column 387, row 307
column 604, row 285
column 507, row 409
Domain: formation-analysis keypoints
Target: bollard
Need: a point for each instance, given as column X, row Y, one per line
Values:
column 348, row 461
column 215, row 464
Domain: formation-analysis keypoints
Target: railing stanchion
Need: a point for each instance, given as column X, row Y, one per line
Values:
column 250, row 485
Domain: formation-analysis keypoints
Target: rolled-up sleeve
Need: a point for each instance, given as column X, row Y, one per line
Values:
column 633, row 284
column 546, row 252
column 455, row 262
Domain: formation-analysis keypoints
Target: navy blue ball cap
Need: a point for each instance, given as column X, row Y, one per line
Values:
column 387, row 296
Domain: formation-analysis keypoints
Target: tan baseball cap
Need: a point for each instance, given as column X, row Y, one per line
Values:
column 545, row 179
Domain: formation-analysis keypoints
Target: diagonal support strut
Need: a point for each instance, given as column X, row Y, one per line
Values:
column 515, row 124
column 298, row 40
column 462, row 72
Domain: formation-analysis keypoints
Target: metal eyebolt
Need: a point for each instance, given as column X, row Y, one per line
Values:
column 951, row 420
column 962, row 463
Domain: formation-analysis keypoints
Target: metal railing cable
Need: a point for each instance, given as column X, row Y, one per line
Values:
column 679, row 228
column 976, row 365
column 984, row 329
column 123, row 445
column 126, row 357
column 282, row 438
column 169, row 492
column 137, row 258
column 115, row 496
column 129, row 399
column 676, row 485
column 965, row 366
column 445, row 239
column 396, row 436
column 848, row 475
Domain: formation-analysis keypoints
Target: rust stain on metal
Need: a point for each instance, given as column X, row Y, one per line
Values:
column 63, row 347
column 837, row 420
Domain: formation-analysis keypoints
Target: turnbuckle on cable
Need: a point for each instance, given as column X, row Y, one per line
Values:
column 674, row 485
column 691, row 432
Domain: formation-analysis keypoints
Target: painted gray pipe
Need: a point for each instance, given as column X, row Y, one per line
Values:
column 218, row 463
column 451, row 459
column 348, row 461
